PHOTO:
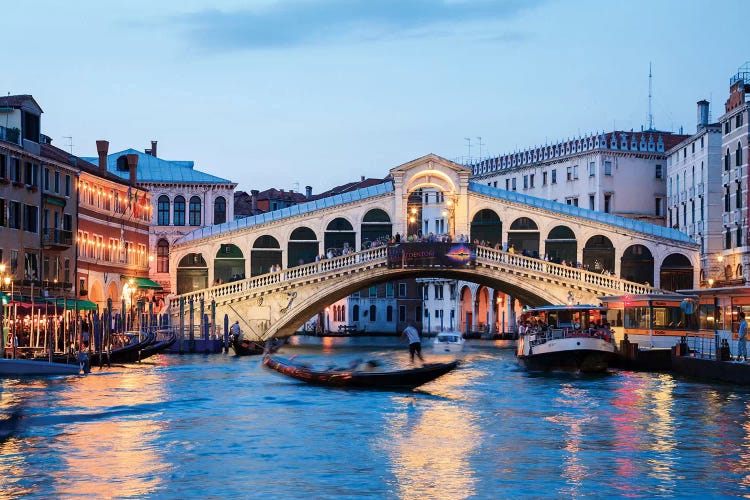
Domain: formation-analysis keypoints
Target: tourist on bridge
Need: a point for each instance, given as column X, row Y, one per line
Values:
column 415, row 344
column 742, row 340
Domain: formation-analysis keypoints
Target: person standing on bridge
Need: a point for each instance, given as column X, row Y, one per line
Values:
column 415, row 344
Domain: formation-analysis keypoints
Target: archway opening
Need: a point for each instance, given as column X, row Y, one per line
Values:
column 303, row 247
column 339, row 235
column 465, row 311
column 523, row 236
column 229, row 264
column 265, row 254
column 192, row 273
column 561, row 245
column 376, row 227
column 637, row 264
column 486, row 227
column 676, row 273
column 599, row 255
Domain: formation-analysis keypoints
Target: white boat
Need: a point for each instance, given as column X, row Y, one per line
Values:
column 566, row 337
column 17, row 367
column 448, row 342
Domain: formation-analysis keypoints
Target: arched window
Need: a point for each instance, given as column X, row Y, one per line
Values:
column 163, row 210
column 195, row 211
column 220, row 210
column 738, row 155
column 179, row 211
column 162, row 256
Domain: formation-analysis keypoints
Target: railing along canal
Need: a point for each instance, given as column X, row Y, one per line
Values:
column 379, row 255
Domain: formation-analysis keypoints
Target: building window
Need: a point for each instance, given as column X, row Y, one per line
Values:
column 57, row 182
column 607, row 203
column 507, row 184
column 46, row 178
column 179, row 211
column 657, row 207
column 402, row 289
column 727, row 240
column 513, row 183
column 592, row 169
column 738, row 196
column 402, row 313
column 373, row 313
column 738, row 124
column 67, row 185
column 607, row 168
column 738, row 155
column 373, row 291
column 389, row 289
column 389, row 314
column 66, row 271
column 569, row 172
column 572, row 201
column 554, row 176
column 591, row 202
column 220, row 210
column 531, row 181
column 162, row 256
column 659, row 172
column 439, row 291
column 526, row 182
column 195, row 211
column 544, row 178
column 163, row 210
column 14, row 215
column 739, row 236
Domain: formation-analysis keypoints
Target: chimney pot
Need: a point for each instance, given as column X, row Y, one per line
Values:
column 133, row 168
column 308, row 192
column 102, row 147
column 153, row 148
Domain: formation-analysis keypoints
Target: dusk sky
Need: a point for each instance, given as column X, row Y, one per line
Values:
column 289, row 93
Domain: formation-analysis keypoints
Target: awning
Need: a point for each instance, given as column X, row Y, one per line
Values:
column 80, row 304
column 54, row 201
column 146, row 284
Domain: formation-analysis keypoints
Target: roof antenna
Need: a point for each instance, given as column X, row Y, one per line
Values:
column 479, row 138
column 650, row 116
column 70, row 142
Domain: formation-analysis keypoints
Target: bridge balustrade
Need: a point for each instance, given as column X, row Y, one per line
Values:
column 379, row 255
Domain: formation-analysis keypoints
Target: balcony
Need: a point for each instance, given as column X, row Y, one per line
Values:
column 57, row 238
column 10, row 135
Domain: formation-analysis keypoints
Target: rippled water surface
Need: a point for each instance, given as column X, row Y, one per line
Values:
column 220, row 426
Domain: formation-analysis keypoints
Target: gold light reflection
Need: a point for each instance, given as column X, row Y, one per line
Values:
column 435, row 438
column 573, row 470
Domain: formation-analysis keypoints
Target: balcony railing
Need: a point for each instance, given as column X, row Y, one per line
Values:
column 10, row 135
column 57, row 238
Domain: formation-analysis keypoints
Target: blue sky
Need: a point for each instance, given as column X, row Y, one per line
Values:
column 289, row 93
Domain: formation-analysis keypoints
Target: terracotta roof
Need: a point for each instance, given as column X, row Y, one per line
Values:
column 352, row 186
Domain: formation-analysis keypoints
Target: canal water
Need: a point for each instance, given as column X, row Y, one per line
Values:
column 218, row 426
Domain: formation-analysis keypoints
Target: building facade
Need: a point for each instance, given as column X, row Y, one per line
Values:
column 695, row 192
column 182, row 199
column 734, row 258
column 38, row 203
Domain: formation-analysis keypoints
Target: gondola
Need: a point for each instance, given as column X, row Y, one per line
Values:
column 159, row 345
column 244, row 347
column 396, row 379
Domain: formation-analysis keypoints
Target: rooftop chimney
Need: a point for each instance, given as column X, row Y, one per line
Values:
column 702, row 114
column 308, row 192
column 133, row 168
column 362, row 178
column 254, row 200
column 153, row 148
column 101, row 148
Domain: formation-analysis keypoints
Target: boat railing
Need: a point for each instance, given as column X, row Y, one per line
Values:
column 541, row 336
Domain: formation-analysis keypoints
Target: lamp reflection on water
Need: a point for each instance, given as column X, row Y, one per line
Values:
column 437, row 442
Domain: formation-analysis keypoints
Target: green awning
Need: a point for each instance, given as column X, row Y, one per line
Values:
column 80, row 304
column 54, row 201
column 146, row 284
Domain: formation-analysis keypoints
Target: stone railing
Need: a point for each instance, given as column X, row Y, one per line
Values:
column 489, row 256
column 371, row 256
column 486, row 256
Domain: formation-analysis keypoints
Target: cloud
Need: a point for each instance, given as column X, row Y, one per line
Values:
column 291, row 23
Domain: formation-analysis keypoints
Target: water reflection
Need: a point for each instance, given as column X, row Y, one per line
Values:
column 94, row 436
column 430, row 441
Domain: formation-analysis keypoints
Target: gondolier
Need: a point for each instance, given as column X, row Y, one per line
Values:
column 234, row 330
column 415, row 344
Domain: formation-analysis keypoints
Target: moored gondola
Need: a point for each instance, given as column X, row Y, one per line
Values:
column 395, row 379
column 244, row 347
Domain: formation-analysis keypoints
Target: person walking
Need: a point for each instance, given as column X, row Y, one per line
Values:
column 415, row 344
column 742, row 338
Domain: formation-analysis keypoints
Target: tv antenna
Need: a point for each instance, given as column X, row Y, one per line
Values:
column 650, row 116
column 468, row 145
column 479, row 138
column 70, row 142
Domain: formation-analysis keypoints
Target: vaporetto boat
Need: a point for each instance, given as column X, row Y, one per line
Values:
column 575, row 337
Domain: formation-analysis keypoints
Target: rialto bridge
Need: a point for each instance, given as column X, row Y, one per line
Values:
column 267, row 270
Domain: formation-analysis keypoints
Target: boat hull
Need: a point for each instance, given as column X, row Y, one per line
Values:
column 579, row 354
column 447, row 347
column 399, row 379
column 16, row 367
